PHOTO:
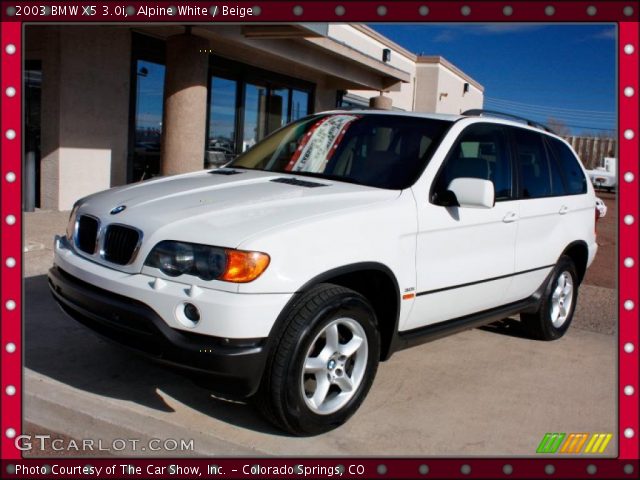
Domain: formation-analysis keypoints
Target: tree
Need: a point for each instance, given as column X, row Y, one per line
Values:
column 559, row 127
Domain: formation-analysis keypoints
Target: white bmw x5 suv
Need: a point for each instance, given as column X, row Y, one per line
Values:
column 288, row 274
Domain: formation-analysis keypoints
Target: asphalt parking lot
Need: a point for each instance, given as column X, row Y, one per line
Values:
column 486, row 391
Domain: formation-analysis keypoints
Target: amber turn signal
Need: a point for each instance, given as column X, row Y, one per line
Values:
column 243, row 267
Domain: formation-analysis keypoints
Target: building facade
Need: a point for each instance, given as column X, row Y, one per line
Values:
column 110, row 105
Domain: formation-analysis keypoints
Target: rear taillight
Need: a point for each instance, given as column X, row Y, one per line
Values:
column 595, row 224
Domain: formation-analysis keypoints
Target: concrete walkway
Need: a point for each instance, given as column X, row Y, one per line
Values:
column 482, row 392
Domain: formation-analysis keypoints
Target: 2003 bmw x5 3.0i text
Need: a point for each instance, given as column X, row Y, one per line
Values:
column 288, row 274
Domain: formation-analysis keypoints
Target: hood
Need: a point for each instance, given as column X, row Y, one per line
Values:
column 224, row 209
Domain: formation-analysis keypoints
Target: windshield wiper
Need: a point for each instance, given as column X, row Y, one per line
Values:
column 327, row 176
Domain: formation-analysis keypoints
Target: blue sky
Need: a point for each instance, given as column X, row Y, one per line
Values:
column 537, row 71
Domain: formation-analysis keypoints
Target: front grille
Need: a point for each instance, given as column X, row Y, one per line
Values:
column 120, row 244
column 87, row 234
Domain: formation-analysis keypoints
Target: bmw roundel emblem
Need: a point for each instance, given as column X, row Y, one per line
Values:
column 118, row 209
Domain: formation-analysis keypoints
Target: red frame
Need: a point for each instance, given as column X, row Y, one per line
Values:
column 354, row 11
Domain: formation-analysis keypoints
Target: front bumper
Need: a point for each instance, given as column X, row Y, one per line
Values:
column 223, row 314
column 228, row 367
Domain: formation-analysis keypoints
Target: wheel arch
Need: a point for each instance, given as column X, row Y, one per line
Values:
column 374, row 281
column 579, row 253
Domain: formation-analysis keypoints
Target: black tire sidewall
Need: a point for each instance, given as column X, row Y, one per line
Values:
column 347, row 305
column 565, row 264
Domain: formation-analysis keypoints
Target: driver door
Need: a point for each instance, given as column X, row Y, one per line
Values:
column 465, row 255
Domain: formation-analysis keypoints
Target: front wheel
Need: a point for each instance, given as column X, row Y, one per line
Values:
column 558, row 304
column 324, row 363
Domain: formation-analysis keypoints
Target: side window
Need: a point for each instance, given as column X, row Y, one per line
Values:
column 558, row 186
column 538, row 178
column 481, row 151
column 575, row 180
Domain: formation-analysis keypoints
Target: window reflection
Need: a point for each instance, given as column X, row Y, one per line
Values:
column 221, row 144
column 148, row 119
column 299, row 104
column 254, row 115
column 278, row 109
column 244, row 107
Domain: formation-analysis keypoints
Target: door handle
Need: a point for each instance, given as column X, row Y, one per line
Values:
column 563, row 209
column 510, row 217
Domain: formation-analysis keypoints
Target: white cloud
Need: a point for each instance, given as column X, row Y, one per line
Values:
column 608, row 33
column 499, row 28
column 445, row 36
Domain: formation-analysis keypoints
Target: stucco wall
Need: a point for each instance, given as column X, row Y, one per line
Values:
column 370, row 46
column 455, row 101
column 85, row 104
column 439, row 90
column 426, row 88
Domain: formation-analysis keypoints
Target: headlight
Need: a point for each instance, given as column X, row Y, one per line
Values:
column 71, row 224
column 206, row 262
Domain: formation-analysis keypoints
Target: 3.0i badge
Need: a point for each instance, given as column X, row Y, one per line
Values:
column 118, row 209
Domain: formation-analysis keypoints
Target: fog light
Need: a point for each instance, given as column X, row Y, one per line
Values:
column 191, row 312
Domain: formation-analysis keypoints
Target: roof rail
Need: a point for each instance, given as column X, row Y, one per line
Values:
column 478, row 112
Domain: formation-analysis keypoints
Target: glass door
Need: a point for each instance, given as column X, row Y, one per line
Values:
column 246, row 104
column 221, row 135
column 32, row 106
column 255, row 115
column 299, row 104
column 148, row 119
column 278, row 109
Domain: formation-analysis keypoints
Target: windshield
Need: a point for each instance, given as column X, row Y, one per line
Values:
column 385, row 151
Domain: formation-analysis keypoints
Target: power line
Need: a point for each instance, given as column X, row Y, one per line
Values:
column 539, row 119
column 568, row 110
column 552, row 113
column 546, row 118
column 591, row 128
column 573, row 122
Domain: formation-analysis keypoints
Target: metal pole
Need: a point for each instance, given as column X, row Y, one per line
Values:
column 29, row 198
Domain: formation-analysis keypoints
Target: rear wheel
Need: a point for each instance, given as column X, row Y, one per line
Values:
column 558, row 304
column 324, row 363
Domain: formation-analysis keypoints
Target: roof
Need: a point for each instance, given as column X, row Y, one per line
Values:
column 445, row 117
column 400, row 113
column 384, row 40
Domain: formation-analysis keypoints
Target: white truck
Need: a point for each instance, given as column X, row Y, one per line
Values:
column 604, row 176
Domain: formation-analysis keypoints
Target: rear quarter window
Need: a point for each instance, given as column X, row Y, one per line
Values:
column 575, row 180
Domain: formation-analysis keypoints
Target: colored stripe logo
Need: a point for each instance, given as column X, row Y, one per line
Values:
column 574, row 443
column 550, row 442
column 598, row 443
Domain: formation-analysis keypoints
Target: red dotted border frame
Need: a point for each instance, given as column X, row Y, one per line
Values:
column 625, row 14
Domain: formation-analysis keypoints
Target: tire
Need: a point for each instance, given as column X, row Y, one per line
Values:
column 320, row 331
column 558, row 303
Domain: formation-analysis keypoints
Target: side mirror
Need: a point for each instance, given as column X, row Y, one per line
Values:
column 473, row 192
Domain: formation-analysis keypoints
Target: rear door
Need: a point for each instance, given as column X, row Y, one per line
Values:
column 544, row 208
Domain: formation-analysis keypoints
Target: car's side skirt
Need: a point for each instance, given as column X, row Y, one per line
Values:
column 417, row 336
column 428, row 333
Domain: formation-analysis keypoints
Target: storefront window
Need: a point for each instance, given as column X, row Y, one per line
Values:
column 221, row 143
column 299, row 104
column 32, row 107
column 148, row 119
column 246, row 104
column 254, row 115
column 278, row 108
